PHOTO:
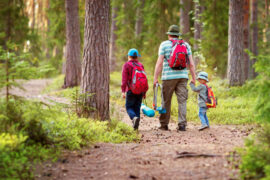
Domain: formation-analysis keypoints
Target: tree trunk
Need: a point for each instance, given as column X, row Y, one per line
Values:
column 73, row 62
column 236, row 43
column 197, row 31
column 95, row 69
column 33, row 14
column 113, row 37
column 254, row 36
column 246, row 39
column 139, row 19
column 184, row 16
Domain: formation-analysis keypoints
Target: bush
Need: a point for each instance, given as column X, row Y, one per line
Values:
column 17, row 159
column 255, row 156
column 255, row 163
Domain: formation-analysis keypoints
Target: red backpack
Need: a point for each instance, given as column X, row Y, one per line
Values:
column 178, row 57
column 211, row 101
column 139, row 82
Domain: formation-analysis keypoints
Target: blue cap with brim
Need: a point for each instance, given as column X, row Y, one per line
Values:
column 133, row 52
column 203, row 75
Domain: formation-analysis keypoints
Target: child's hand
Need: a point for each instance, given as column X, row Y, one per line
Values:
column 123, row 95
column 193, row 81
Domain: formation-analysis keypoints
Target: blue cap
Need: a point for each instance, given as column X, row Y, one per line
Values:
column 203, row 75
column 133, row 52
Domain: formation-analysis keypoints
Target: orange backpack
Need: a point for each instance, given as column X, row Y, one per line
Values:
column 211, row 101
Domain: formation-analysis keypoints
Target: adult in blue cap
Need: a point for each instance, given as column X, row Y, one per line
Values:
column 173, row 80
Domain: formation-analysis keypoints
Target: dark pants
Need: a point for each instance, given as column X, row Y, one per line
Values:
column 133, row 104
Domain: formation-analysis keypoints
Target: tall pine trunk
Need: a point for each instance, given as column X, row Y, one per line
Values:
column 246, row 39
column 184, row 16
column 236, row 43
column 73, row 62
column 139, row 19
column 197, row 30
column 95, row 69
column 254, row 36
column 113, row 37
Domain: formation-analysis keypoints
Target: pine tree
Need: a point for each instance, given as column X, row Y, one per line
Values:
column 236, row 43
column 95, row 67
column 254, row 36
column 246, row 40
column 113, row 36
column 73, row 62
column 185, row 7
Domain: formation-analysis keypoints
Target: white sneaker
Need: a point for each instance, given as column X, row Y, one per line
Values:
column 202, row 127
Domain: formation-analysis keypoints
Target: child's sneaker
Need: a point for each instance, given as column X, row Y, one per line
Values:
column 136, row 122
column 202, row 127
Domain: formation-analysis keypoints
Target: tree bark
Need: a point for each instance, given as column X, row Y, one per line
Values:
column 254, row 36
column 95, row 69
column 236, row 43
column 246, row 39
column 197, row 31
column 113, row 37
column 184, row 16
column 33, row 14
column 73, row 62
column 139, row 19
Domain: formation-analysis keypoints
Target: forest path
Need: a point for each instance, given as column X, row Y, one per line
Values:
column 153, row 158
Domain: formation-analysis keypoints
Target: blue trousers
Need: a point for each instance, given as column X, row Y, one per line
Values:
column 133, row 104
column 203, row 116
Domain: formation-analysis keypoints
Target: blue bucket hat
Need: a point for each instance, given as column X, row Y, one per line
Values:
column 203, row 75
column 133, row 52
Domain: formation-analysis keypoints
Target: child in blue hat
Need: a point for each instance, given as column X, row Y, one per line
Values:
column 133, row 94
column 202, row 90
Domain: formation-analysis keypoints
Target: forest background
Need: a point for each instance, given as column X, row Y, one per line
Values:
column 33, row 38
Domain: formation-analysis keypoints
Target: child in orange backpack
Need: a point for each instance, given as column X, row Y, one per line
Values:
column 202, row 89
column 134, row 86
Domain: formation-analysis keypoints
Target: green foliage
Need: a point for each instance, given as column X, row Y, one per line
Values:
column 164, row 14
column 17, row 159
column 14, row 27
column 255, row 156
column 37, row 131
column 215, row 34
column 56, row 39
column 263, row 103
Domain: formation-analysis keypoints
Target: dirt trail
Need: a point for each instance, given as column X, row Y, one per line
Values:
column 154, row 157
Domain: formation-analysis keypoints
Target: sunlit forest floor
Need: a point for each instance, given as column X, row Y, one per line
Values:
column 155, row 156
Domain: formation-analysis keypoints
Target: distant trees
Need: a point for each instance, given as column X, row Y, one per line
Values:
column 254, row 36
column 112, row 52
column 95, row 67
column 13, row 23
column 197, row 29
column 246, row 13
column 185, row 7
column 73, row 52
column 236, row 43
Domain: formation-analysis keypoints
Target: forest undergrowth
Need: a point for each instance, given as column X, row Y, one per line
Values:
column 33, row 131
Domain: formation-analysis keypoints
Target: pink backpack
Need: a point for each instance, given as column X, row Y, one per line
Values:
column 139, row 82
column 178, row 57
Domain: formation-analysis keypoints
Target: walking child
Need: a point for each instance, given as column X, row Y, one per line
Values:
column 202, row 89
column 134, row 86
